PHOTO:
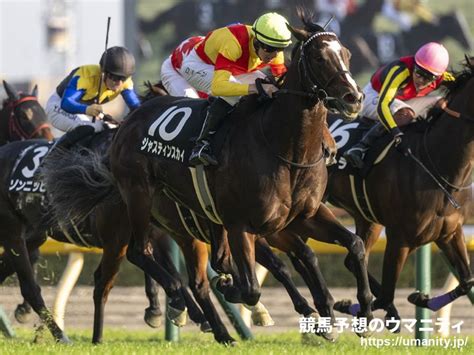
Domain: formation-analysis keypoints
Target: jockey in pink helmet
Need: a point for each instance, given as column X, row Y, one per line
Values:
column 397, row 93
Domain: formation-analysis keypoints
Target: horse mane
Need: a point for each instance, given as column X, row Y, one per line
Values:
column 151, row 91
column 461, row 78
column 306, row 16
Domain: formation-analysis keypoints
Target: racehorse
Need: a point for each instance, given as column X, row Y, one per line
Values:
column 404, row 198
column 272, row 173
column 22, row 117
column 25, row 222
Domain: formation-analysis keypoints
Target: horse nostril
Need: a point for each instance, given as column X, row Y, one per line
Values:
column 349, row 98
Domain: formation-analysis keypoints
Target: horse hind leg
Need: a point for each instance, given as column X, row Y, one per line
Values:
column 370, row 233
column 104, row 278
column 137, row 197
column 456, row 253
column 161, row 252
column 196, row 257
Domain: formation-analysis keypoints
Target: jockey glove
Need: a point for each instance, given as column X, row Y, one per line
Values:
column 94, row 110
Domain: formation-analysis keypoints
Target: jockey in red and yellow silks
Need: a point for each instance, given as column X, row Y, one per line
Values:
column 226, row 64
column 400, row 89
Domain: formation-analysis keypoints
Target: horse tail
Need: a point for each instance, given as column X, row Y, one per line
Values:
column 76, row 181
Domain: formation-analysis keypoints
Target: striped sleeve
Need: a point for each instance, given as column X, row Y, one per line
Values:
column 395, row 78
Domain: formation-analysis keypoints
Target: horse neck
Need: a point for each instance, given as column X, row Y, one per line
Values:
column 4, row 114
column 294, row 124
column 450, row 145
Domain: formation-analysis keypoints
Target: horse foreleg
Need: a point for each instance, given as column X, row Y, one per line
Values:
column 153, row 312
column 161, row 252
column 242, row 246
column 16, row 250
column 325, row 227
column 196, row 256
column 455, row 251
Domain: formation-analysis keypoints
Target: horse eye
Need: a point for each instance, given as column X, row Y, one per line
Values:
column 319, row 60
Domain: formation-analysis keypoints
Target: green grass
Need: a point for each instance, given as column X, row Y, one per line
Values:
column 150, row 342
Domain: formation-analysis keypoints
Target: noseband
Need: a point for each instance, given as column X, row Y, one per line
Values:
column 14, row 126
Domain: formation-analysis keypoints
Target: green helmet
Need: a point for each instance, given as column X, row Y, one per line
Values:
column 272, row 29
column 119, row 62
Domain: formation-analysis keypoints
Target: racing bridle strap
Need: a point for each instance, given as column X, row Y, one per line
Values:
column 14, row 127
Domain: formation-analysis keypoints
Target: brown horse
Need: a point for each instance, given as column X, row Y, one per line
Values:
column 22, row 117
column 25, row 221
column 272, row 173
column 404, row 198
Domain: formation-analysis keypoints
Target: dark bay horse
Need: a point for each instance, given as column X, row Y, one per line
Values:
column 405, row 199
column 25, row 221
column 22, row 117
column 271, row 175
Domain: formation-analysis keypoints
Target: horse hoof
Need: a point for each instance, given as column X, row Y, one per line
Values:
column 152, row 318
column 222, row 281
column 343, row 306
column 227, row 340
column 22, row 314
column 64, row 340
column 176, row 316
column 205, row 327
column 418, row 299
column 260, row 316
column 312, row 339
column 330, row 336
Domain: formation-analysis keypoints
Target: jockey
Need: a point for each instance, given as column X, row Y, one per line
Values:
column 77, row 99
column 226, row 63
column 396, row 95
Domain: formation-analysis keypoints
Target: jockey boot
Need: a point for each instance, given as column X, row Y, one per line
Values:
column 201, row 153
column 355, row 155
column 72, row 137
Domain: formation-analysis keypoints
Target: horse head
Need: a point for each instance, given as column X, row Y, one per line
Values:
column 25, row 116
column 323, row 69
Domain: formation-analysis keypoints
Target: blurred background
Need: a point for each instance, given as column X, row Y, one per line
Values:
column 41, row 41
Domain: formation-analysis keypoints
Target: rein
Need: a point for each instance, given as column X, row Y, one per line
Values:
column 456, row 115
column 283, row 159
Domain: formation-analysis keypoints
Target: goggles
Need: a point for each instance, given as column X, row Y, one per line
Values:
column 424, row 75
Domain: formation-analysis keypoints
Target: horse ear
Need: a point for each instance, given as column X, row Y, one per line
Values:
column 300, row 34
column 11, row 92
column 34, row 92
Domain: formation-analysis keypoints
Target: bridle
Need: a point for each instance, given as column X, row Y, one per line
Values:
column 14, row 126
column 313, row 88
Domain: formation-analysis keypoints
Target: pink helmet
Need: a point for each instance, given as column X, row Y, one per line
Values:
column 433, row 57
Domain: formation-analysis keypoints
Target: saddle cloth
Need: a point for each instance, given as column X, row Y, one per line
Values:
column 23, row 177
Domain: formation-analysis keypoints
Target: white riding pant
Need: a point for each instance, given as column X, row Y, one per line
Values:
column 197, row 75
column 420, row 105
column 65, row 121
